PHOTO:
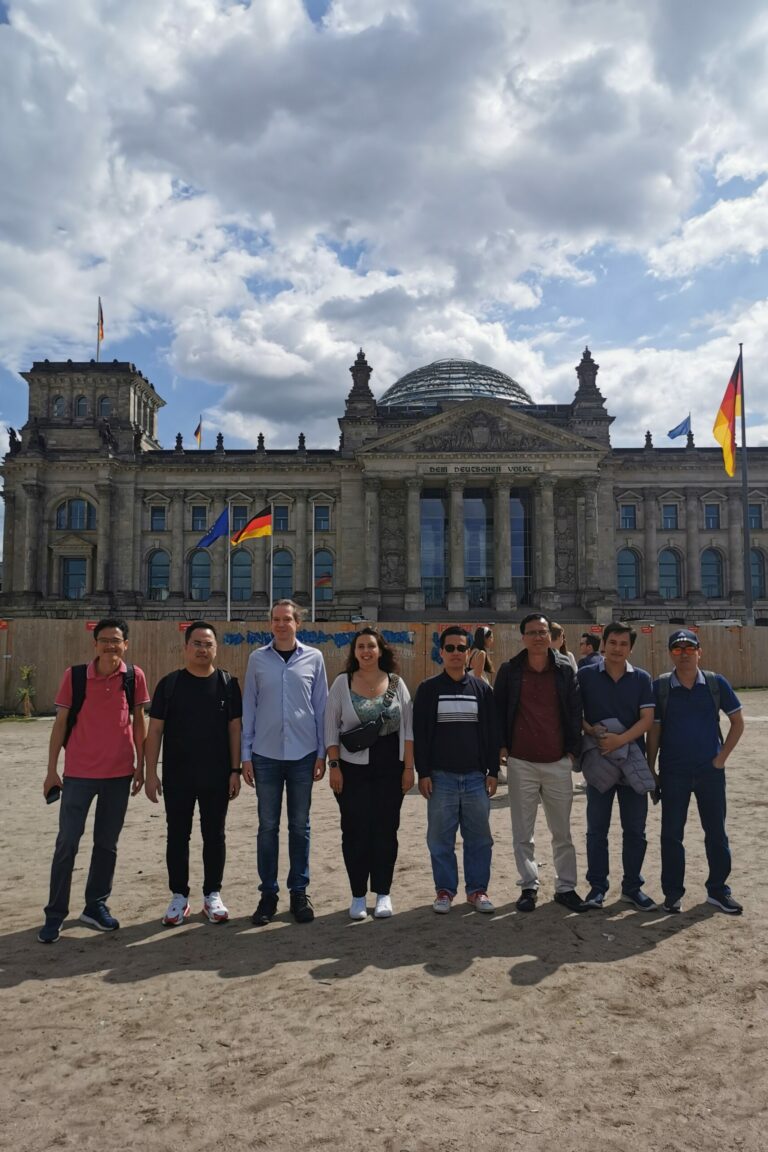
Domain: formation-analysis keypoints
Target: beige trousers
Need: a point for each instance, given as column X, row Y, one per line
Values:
column 528, row 784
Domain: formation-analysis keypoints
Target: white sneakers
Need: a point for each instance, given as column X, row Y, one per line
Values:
column 177, row 910
column 357, row 909
column 383, row 907
column 442, row 902
column 214, row 908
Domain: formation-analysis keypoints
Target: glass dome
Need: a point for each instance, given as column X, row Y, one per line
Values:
column 453, row 380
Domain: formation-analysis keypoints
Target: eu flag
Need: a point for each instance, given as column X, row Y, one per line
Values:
column 682, row 429
column 220, row 528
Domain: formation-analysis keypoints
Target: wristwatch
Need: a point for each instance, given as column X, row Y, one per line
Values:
column 333, row 763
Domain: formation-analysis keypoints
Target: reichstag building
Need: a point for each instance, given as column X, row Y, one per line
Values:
column 453, row 495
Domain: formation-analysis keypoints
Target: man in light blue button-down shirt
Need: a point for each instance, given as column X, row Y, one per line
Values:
column 284, row 697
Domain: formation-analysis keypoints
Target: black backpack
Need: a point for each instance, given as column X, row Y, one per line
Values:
column 79, row 684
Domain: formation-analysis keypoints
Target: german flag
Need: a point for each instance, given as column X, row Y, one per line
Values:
column 100, row 323
column 729, row 412
column 323, row 581
column 258, row 525
column 198, row 433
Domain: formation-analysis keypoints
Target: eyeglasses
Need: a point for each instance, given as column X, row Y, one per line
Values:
column 680, row 648
column 539, row 634
column 455, row 648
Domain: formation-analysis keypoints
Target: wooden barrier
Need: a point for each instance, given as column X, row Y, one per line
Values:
column 740, row 654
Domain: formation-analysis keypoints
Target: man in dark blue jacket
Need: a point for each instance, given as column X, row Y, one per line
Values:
column 456, row 750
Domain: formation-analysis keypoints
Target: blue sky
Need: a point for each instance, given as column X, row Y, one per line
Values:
column 257, row 190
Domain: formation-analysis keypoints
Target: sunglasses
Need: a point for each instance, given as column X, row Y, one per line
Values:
column 680, row 648
column 455, row 648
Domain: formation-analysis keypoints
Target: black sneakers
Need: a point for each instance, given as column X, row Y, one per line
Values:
column 725, row 903
column 572, row 901
column 526, row 901
column 301, row 908
column 266, row 909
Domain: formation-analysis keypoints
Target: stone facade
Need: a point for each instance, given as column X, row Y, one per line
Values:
column 100, row 518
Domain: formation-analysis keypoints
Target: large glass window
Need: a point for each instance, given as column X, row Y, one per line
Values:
column 323, row 576
column 158, row 575
column 628, row 574
column 280, row 516
column 200, row 575
column 712, row 573
column 79, row 515
column 434, row 546
column 105, row 407
column 755, row 516
column 712, row 516
column 242, row 581
column 74, row 570
column 669, row 517
column 628, row 517
column 59, row 407
column 478, row 546
column 199, row 518
column 520, row 537
column 757, row 567
column 157, row 518
column 322, row 517
column 239, row 516
column 282, row 575
column 670, row 583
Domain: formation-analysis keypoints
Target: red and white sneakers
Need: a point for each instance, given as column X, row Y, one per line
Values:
column 214, row 908
column 177, row 911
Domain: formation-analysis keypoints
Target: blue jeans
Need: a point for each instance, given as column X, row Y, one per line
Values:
column 77, row 795
column 633, row 810
column 270, row 777
column 707, row 784
column 459, row 801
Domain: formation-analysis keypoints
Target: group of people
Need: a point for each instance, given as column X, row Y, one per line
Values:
column 536, row 718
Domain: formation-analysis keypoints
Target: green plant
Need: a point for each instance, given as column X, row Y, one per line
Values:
column 26, row 692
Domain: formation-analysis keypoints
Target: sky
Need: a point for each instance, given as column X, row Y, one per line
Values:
column 256, row 190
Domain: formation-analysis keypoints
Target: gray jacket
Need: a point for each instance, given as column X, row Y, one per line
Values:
column 626, row 765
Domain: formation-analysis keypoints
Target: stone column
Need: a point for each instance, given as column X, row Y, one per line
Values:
column 692, row 547
column 9, row 499
column 102, row 576
column 458, row 600
column 301, row 585
column 139, row 580
column 504, row 599
column 414, row 595
column 33, row 492
column 177, row 546
column 371, row 545
column 590, row 528
column 544, row 544
column 736, row 573
column 651, row 562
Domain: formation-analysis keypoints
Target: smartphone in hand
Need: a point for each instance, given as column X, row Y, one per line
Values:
column 53, row 794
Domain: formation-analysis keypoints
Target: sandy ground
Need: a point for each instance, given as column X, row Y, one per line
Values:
column 605, row 1032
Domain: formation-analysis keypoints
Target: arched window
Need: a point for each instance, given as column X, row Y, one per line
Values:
column 158, row 575
column 757, row 567
column 628, row 574
column 105, row 408
column 59, row 407
column 712, row 573
column 282, row 575
column 78, row 515
column 670, row 583
column 199, row 576
column 323, row 576
column 242, row 581
column 81, row 407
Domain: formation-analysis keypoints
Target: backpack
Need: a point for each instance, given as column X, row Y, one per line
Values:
column 79, row 684
column 714, row 690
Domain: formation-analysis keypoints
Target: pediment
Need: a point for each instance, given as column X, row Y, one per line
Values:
column 198, row 498
column 72, row 544
column 157, row 498
column 481, row 426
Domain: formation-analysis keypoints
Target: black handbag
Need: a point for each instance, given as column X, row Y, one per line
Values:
column 362, row 737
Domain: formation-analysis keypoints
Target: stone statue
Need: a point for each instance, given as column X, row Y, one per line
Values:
column 14, row 443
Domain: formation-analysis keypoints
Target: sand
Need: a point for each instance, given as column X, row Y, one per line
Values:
column 605, row 1032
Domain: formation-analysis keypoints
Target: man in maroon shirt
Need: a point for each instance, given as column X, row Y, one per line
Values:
column 539, row 712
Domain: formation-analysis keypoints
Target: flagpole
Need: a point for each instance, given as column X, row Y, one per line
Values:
column 312, row 502
column 98, row 329
column 271, row 556
column 200, row 443
column 229, row 558
column 749, row 610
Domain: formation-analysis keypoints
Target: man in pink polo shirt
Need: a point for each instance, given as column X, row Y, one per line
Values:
column 104, row 759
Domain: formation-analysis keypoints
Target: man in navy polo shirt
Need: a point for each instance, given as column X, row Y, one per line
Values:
column 692, row 763
column 613, row 688
column 456, row 750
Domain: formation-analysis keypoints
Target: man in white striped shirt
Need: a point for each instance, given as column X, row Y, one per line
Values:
column 457, row 758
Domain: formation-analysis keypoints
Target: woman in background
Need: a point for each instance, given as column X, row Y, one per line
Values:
column 558, row 643
column 479, row 661
column 369, row 785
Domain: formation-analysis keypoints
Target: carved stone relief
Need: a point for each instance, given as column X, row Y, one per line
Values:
column 392, row 511
column 479, row 433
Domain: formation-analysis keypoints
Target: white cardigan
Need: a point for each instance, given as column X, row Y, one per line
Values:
column 340, row 716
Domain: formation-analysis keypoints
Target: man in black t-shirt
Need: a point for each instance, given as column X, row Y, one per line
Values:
column 196, row 715
column 456, row 748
